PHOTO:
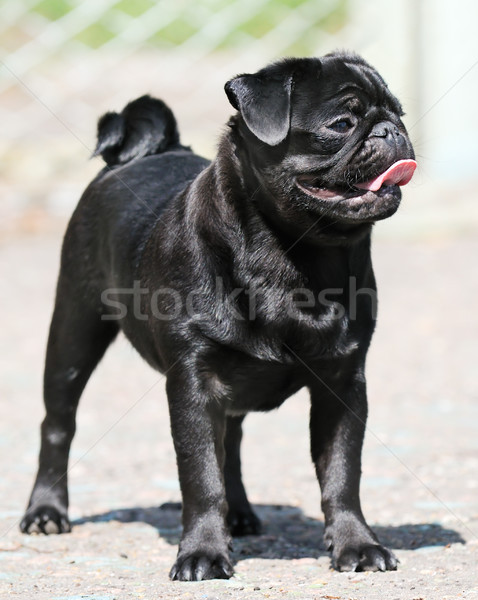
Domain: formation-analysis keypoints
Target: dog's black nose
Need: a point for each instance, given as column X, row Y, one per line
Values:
column 389, row 131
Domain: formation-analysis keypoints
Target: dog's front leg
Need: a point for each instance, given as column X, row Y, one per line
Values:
column 198, row 426
column 337, row 426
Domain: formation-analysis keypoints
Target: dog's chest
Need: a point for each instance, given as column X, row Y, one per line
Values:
column 262, row 375
column 266, row 363
column 323, row 316
column 253, row 385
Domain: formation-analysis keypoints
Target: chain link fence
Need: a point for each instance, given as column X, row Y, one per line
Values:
column 65, row 62
column 70, row 53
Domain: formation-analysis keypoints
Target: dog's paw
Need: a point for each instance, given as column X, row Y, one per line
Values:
column 198, row 566
column 367, row 557
column 243, row 522
column 45, row 519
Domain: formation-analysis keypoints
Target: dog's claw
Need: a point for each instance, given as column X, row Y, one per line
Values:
column 45, row 519
column 198, row 567
column 371, row 557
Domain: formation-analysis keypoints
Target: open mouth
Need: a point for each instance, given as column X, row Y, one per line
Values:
column 398, row 174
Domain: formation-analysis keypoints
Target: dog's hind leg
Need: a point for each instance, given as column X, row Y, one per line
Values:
column 241, row 519
column 77, row 341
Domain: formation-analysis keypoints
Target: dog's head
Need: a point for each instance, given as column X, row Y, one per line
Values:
column 323, row 141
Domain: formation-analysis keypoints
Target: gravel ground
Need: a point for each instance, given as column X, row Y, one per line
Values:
column 420, row 481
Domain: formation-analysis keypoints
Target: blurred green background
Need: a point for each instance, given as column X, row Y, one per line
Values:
column 190, row 22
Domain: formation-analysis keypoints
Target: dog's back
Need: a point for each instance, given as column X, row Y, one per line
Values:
column 147, row 167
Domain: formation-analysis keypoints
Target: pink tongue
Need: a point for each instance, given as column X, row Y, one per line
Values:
column 399, row 173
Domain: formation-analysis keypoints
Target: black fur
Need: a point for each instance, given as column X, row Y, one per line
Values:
column 249, row 278
column 145, row 126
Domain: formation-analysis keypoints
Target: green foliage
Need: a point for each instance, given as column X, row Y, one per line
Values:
column 134, row 9
column 53, row 9
column 197, row 13
column 95, row 35
column 174, row 34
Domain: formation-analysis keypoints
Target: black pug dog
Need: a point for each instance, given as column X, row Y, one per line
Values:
column 242, row 280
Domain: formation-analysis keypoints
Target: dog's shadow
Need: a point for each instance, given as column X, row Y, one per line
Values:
column 287, row 532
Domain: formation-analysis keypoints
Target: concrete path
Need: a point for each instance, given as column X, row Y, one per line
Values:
column 420, row 472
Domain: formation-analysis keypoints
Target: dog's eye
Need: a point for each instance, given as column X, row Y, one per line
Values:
column 342, row 125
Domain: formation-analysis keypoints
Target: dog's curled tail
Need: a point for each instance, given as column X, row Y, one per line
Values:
column 145, row 126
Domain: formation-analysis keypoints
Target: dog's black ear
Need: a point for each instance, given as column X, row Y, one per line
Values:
column 264, row 103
